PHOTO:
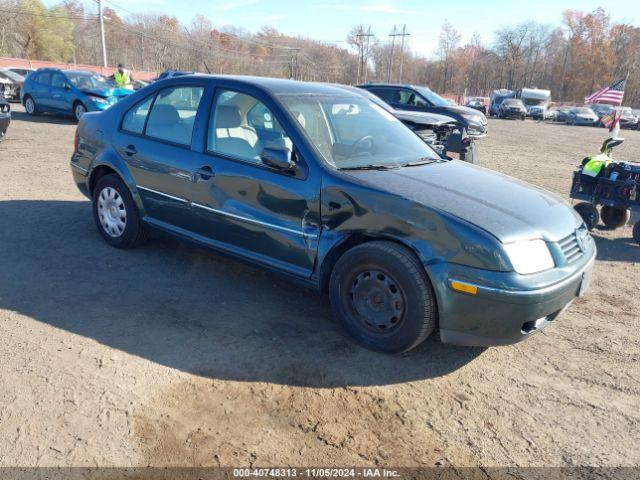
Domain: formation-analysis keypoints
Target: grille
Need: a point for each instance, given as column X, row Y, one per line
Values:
column 570, row 248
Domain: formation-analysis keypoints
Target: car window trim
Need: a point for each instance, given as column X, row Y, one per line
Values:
column 146, row 120
column 302, row 171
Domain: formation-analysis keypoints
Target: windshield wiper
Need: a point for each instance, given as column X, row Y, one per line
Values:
column 370, row 167
column 422, row 161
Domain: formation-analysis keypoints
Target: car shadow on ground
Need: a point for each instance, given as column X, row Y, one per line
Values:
column 42, row 118
column 617, row 249
column 186, row 307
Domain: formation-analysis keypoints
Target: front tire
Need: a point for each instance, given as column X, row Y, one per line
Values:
column 79, row 110
column 382, row 296
column 116, row 215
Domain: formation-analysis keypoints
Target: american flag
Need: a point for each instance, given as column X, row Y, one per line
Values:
column 612, row 93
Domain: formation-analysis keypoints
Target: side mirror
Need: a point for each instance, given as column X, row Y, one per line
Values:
column 280, row 158
column 67, row 87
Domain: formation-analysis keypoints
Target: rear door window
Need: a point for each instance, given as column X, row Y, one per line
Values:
column 173, row 114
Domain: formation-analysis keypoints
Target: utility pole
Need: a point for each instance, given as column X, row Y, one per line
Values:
column 104, row 45
column 366, row 63
column 403, row 35
column 363, row 54
column 393, row 36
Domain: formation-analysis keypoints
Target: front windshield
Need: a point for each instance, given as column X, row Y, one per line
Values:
column 85, row 81
column 353, row 132
column 584, row 110
column 533, row 101
column 513, row 103
column 433, row 98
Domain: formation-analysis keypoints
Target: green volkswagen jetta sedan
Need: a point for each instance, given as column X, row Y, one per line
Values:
column 322, row 185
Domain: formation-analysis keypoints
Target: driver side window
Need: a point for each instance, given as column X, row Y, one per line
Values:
column 241, row 126
column 407, row 97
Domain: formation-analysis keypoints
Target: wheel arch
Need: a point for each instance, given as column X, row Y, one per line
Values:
column 103, row 168
column 353, row 240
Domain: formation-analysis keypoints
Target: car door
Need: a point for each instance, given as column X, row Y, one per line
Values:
column 154, row 140
column 42, row 91
column 268, row 215
column 60, row 93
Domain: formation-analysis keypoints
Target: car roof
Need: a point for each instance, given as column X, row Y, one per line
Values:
column 403, row 85
column 274, row 86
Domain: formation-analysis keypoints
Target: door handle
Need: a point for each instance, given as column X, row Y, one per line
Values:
column 130, row 150
column 204, row 173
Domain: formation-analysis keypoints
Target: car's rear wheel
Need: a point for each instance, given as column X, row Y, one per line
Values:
column 589, row 214
column 116, row 215
column 30, row 106
column 614, row 217
column 79, row 110
column 382, row 296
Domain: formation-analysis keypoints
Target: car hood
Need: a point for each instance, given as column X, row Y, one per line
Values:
column 507, row 208
column 108, row 92
column 423, row 118
column 459, row 109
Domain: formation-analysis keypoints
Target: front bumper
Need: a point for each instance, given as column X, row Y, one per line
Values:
column 499, row 314
column 513, row 114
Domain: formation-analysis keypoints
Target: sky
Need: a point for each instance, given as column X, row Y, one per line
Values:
column 331, row 20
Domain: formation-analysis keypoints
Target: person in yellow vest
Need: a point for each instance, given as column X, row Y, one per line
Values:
column 123, row 77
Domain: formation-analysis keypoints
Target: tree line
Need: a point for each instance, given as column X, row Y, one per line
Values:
column 585, row 51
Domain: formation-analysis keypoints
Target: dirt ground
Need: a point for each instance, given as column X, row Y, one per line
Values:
column 173, row 355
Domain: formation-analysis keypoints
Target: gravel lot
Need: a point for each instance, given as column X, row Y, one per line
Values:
column 174, row 355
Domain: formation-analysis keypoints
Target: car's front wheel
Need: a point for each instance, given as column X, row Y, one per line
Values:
column 79, row 110
column 116, row 215
column 30, row 106
column 382, row 296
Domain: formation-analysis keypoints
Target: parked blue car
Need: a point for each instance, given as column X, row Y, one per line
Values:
column 69, row 92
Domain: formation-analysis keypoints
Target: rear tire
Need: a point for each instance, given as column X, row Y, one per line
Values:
column 116, row 214
column 614, row 217
column 589, row 214
column 30, row 105
column 382, row 296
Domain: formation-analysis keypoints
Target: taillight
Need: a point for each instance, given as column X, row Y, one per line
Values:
column 75, row 141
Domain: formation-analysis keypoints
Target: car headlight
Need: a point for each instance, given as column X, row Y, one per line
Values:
column 472, row 118
column 98, row 99
column 530, row 256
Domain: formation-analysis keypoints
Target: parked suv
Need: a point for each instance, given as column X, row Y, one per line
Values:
column 421, row 99
column 69, row 92
column 329, row 189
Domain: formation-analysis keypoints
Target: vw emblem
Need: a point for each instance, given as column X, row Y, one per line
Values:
column 582, row 239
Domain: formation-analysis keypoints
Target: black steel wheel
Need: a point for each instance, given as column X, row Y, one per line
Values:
column 382, row 296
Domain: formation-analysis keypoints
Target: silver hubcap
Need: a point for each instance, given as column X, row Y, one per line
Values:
column 80, row 111
column 112, row 212
column 30, row 106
